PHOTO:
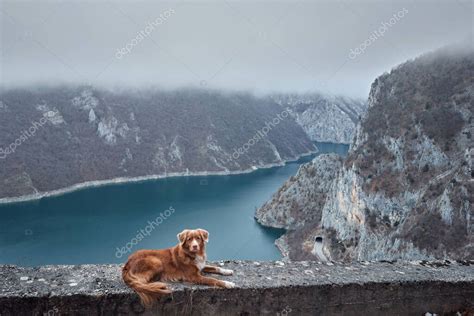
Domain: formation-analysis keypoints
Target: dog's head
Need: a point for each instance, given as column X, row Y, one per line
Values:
column 193, row 240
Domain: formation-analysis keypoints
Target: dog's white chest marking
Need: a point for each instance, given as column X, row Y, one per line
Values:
column 200, row 262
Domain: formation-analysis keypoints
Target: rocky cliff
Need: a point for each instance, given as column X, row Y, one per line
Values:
column 406, row 189
column 52, row 138
column 325, row 118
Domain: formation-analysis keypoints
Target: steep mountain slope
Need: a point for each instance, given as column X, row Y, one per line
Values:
column 52, row 138
column 406, row 189
column 325, row 118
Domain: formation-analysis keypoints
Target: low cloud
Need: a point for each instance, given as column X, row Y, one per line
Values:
column 238, row 45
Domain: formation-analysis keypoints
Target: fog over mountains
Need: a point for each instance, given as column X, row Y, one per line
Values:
column 262, row 47
column 54, row 138
column 80, row 134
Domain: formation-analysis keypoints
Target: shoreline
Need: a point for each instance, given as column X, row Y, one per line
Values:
column 122, row 180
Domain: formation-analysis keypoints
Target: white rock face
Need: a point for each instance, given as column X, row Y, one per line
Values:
column 92, row 116
column 324, row 196
column 159, row 159
column 445, row 208
column 345, row 212
column 406, row 189
column 54, row 117
column 315, row 122
column 216, row 153
column 298, row 201
column 175, row 153
column 428, row 153
column 86, row 100
column 169, row 157
column 50, row 113
column 109, row 128
column 325, row 118
column 274, row 150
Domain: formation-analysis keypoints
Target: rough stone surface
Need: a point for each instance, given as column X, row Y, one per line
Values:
column 263, row 288
column 297, row 207
column 301, row 198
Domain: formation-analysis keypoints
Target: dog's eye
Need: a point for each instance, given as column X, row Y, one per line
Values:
column 198, row 238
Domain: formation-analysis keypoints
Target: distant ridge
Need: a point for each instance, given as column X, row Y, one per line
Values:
column 54, row 138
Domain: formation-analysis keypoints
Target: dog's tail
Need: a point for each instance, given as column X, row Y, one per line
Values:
column 148, row 292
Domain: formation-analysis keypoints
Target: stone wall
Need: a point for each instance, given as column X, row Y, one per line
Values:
column 263, row 288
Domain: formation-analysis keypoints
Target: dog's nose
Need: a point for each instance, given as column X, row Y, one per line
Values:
column 195, row 247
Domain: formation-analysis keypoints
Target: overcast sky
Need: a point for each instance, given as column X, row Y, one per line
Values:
column 261, row 46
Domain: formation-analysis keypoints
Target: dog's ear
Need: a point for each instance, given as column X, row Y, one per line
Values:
column 204, row 234
column 182, row 236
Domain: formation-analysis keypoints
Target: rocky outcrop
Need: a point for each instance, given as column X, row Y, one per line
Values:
column 297, row 205
column 295, row 202
column 325, row 118
column 406, row 189
column 56, row 138
column 262, row 288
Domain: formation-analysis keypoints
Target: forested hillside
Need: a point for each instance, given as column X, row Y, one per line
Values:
column 93, row 134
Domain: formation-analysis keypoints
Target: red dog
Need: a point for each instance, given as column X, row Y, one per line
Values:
column 183, row 262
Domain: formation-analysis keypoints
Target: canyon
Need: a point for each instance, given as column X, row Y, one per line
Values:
column 56, row 139
column 406, row 188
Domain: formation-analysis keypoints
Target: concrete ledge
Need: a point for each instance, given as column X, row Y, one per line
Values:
column 263, row 288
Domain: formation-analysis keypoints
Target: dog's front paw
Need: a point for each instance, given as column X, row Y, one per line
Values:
column 229, row 285
column 226, row 271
